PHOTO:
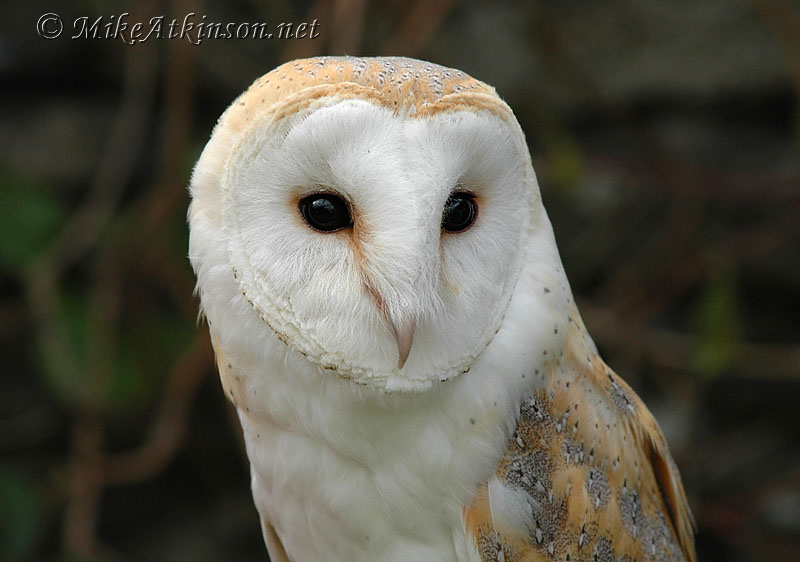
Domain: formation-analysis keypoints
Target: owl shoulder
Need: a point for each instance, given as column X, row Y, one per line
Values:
column 587, row 474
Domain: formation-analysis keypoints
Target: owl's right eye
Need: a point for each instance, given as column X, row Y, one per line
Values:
column 460, row 211
column 325, row 212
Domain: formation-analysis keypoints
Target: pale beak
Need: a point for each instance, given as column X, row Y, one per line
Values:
column 404, row 334
column 403, row 331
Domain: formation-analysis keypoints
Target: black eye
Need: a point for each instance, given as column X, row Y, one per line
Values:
column 459, row 212
column 326, row 212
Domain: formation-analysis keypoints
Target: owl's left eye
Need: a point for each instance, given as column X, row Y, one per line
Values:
column 326, row 212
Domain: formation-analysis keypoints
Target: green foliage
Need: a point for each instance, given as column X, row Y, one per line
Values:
column 130, row 387
column 139, row 357
column 64, row 367
column 717, row 326
column 29, row 216
column 565, row 161
column 148, row 350
column 19, row 515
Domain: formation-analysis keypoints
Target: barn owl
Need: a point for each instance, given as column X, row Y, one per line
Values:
column 392, row 321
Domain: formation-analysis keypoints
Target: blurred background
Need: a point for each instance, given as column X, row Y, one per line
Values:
column 666, row 138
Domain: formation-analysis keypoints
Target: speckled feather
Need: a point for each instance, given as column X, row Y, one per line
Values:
column 404, row 85
column 591, row 469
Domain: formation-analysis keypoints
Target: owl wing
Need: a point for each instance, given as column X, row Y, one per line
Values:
column 587, row 475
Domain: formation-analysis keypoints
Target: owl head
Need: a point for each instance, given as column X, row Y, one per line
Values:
column 372, row 214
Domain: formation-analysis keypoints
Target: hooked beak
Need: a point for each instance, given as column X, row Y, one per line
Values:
column 403, row 330
column 404, row 334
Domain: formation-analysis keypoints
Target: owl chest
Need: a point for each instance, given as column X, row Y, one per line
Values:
column 327, row 506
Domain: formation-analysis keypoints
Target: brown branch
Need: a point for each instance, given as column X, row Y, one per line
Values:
column 83, row 488
column 155, row 207
column 42, row 277
column 81, row 234
column 82, row 230
column 114, row 170
column 169, row 426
